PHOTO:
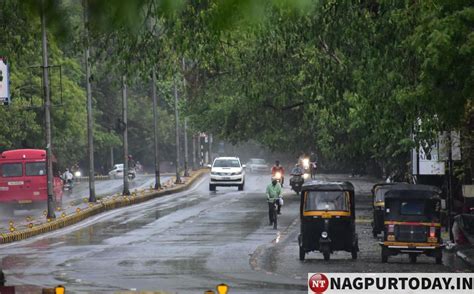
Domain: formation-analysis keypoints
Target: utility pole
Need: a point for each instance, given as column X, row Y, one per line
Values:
column 210, row 149
column 111, row 157
column 450, row 187
column 176, row 116
column 155, row 130
column 194, row 152
column 47, row 117
column 186, row 173
column 90, row 119
column 126, row 190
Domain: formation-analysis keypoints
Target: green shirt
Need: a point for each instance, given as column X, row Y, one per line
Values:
column 273, row 192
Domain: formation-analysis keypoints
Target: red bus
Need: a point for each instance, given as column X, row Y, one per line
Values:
column 23, row 178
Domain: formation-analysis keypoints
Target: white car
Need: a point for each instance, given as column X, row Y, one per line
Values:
column 117, row 171
column 227, row 171
column 255, row 165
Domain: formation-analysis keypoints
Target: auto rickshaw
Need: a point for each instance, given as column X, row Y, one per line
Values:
column 412, row 222
column 327, row 215
column 378, row 204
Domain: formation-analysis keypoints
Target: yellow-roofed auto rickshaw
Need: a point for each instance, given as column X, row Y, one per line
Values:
column 327, row 214
column 412, row 222
column 378, row 205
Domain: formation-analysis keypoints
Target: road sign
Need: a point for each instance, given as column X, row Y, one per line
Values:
column 4, row 82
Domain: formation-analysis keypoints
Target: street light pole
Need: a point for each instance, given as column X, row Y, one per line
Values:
column 126, row 190
column 176, row 116
column 90, row 119
column 450, row 187
column 155, row 130
column 186, row 173
column 47, row 116
column 194, row 152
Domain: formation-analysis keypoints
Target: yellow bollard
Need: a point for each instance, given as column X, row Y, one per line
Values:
column 222, row 288
column 63, row 214
column 59, row 289
column 12, row 229
column 11, row 223
column 78, row 210
column 30, row 225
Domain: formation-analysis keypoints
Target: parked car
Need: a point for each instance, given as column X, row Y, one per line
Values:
column 117, row 171
column 257, row 165
column 227, row 171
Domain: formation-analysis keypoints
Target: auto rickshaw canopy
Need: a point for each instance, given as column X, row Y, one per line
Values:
column 329, row 199
column 412, row 202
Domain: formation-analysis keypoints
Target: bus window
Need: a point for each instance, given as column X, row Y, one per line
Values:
column 35, row 168
column 11, row 170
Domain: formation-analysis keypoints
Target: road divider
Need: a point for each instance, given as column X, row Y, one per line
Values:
column 102, row 205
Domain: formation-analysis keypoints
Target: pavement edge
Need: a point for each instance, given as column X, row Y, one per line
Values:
column 96, row 208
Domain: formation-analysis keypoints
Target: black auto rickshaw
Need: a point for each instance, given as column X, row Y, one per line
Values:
column 412, row 222
column 327, row 215
column 378, row 205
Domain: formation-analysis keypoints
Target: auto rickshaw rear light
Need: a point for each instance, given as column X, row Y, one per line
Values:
column 391, row 228
column 432, row 232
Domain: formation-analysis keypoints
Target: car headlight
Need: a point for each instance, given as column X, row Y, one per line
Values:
column 324, row 234
column 77, row 174
column 306, row 176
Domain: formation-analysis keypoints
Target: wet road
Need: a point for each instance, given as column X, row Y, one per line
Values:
column 80, row 191
column 192, row 241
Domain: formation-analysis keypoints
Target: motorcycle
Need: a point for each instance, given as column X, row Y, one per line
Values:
column 68, row 185
column 279, row 177
column 132, row 174
column 296, row 182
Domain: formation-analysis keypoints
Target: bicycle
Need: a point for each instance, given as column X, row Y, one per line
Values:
column 274, row 214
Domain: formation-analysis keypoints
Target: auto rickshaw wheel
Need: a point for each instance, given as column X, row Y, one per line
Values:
column 384, row 255
column 302, row 253
column 412, row 257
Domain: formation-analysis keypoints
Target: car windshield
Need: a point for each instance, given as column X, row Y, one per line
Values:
column 35, row 168
column 327, row 200
column 412, row 207
column 11, row 170
column 227, row 163
column 380, row 193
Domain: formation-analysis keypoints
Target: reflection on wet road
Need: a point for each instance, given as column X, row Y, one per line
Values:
column 190, row 242
column 80, row 191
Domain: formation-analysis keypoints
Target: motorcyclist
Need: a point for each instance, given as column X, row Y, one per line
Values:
column 313, row 158
column 297, row 170
column 278, row 168
column 273, row 194
column 67, row 177
column 131, row 167
column 131, row 163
